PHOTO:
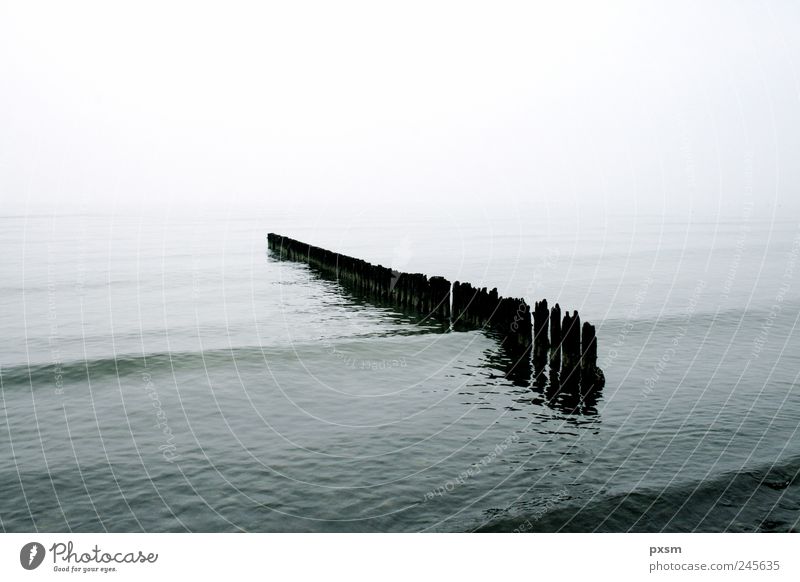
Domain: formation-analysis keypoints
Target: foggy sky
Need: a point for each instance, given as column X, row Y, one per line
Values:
column 672, row 108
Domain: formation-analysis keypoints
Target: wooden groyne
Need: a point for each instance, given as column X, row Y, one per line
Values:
column 569, row 349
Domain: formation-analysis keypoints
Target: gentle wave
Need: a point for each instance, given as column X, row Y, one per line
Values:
column 760, row 499
column 126, row 364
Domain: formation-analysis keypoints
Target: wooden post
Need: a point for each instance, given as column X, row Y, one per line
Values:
column 466, row 306
column 592, row 377
column 571, row 349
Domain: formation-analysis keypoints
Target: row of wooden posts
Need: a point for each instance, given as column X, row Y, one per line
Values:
column 569, row 348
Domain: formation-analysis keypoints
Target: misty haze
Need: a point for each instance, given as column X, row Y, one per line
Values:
column 166, row 367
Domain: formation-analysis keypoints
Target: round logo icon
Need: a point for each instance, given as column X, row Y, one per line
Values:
column 31, row 555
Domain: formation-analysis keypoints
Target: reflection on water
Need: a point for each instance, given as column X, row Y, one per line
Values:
column 569, row 397
column 294, row 406
column 536, row 368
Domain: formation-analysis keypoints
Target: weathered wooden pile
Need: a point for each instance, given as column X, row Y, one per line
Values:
column 510, row 317
column 572, row 349
column 408, row 291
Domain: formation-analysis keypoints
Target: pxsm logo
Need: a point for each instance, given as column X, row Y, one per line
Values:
column 31, row 555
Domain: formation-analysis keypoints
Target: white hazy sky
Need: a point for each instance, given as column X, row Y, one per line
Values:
column 649, row 107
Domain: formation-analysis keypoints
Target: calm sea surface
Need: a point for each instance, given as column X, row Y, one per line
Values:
column 166, row 374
